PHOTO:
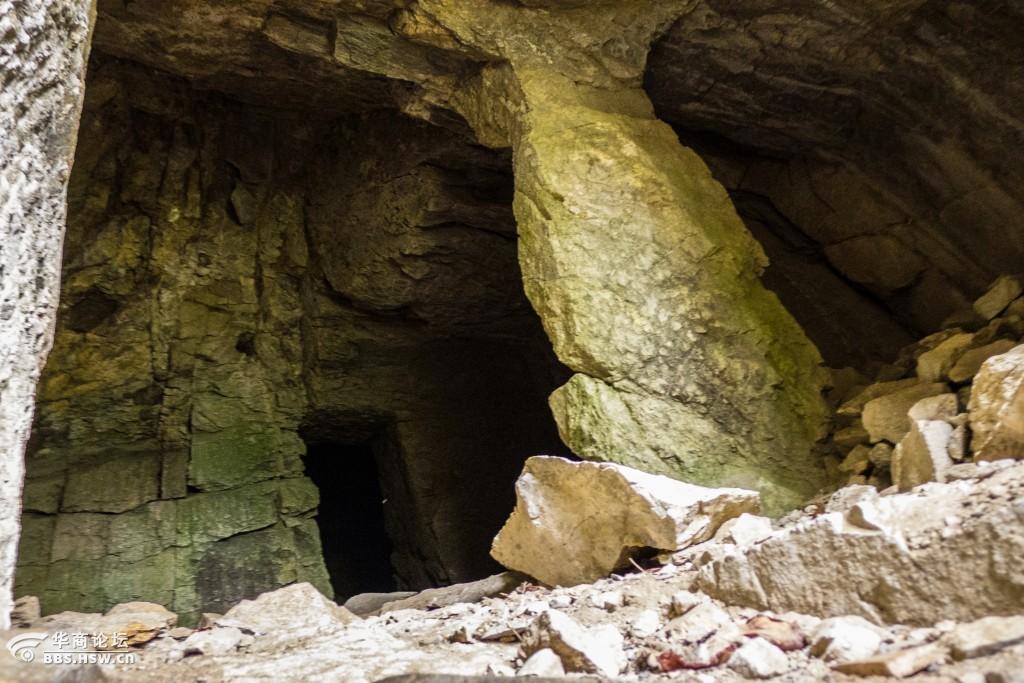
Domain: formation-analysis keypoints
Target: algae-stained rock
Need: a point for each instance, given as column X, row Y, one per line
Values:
column 997, row 407
column 647, row 283
column 578, row 521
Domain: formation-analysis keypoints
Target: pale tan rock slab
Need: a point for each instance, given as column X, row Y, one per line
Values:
column 576, row 522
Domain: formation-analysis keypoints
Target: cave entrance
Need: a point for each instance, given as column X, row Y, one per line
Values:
column 353, row 532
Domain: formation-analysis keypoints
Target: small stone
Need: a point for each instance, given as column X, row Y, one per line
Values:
column 608, row 600
column 292, row 607
column 855, row 406
column 216, row 641
column 560, row 601
column 857, row 461
column 845, row 639
column 542, row 663
column 886, row 418
column 594, row 650
column 645, row 624
column 1000, row 294
column 208, row 620
column 180, row 633
column 985, row 636
column 956, row 447
column 682, row 602
column 744, row 530
column 779, row 633
column 700, row 622
column 922, row 455
column 848, row 496
column 972, row 360
column 898, row 664
column 934, row 365
column 881, row 455
column 757, row 658
column 851, row 436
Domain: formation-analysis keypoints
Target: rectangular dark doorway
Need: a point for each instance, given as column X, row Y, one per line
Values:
column 356, row 545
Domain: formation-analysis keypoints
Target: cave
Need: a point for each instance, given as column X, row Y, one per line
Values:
column 326, row 264
column 351, row 516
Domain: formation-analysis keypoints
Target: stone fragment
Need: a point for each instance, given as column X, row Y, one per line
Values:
column 542, row 663
column 744, row 530
column 997, row 407
column 934, row 365
column 682, row 602
column 1000, row 294
column 576, row 522
column 586, row 650
column 984, row 636
column 700, row 622
column 856, row 461
column 365, row 604
column 292, row 607
column 469, row 592
column 971, row 361
column 645, row 624
column 848, row 496
column 898, row 664
column 855, row 406
column 923, row 454
column 180, row 632
column 208, row 620
column 845, row 639
column 886, row 418
column 26, row 611
column 850, row 437
column 782, row 634
column 956, row 447
column 881, row 455
column 757, row 658
column 216, row 641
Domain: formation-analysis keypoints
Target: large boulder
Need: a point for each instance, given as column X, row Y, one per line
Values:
column 576, row 522
column 943, row 551
column 997, row 407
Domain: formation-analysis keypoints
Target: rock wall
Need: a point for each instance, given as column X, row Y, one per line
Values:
column 885, row 131
column 43, row 46
column 238, row 279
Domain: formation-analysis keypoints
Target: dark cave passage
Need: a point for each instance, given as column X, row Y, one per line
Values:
column 356, row 545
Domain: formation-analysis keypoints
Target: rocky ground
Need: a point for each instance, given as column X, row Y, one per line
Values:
column 652, row 622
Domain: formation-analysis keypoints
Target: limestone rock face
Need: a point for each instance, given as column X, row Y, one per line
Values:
column 997, row 407
column 685, row 378
column 890, row 559
column 577, row 521
column 43, row 48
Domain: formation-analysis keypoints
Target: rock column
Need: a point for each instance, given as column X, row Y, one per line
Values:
column 647, row 283
column 43, row 46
